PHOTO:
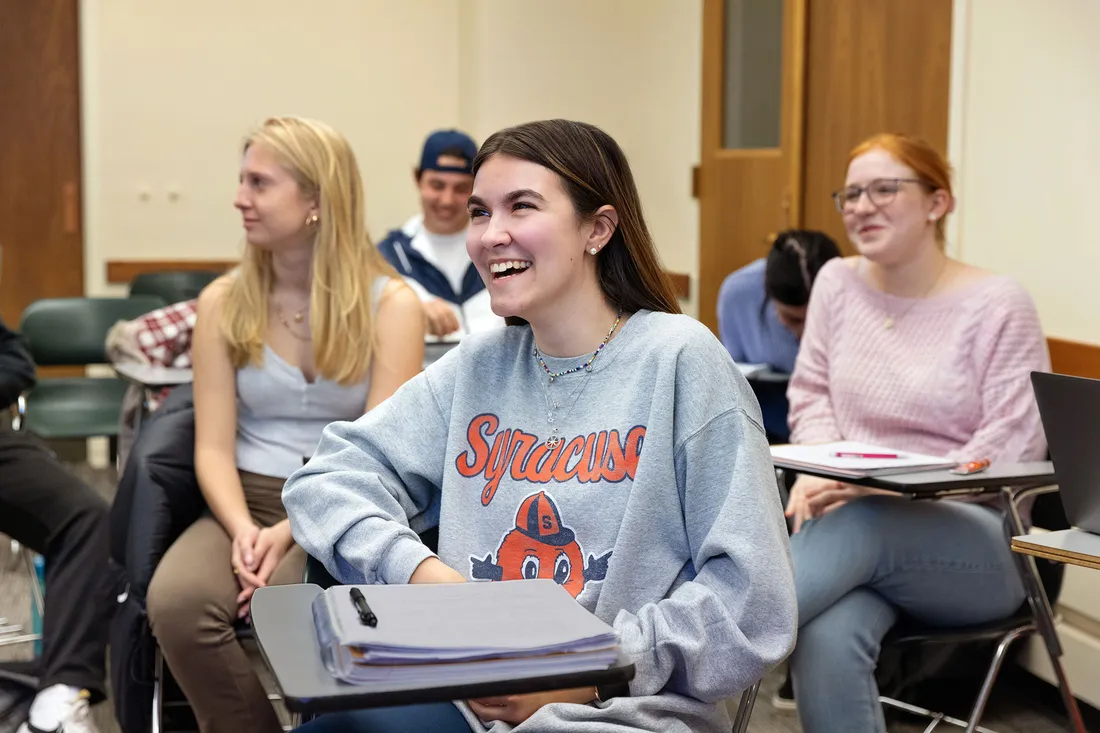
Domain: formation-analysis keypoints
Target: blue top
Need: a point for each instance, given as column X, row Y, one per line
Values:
column 280, row 415
column 749, row 328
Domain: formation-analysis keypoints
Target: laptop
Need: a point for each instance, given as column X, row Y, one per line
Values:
column 1070, row 410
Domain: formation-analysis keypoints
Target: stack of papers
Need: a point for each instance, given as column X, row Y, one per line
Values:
column 440, row 634
column 855, row 460
column 751, row 370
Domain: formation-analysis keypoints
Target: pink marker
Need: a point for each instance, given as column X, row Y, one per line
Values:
column 866, row 455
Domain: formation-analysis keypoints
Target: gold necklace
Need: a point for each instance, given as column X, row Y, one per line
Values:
column 299, row 316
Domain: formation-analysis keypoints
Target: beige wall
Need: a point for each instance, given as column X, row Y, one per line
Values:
column 633, row 67
column 1024, row 137
column 170, row 89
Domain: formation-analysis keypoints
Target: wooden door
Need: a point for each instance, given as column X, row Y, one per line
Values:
column 871, row 66
column 749, row 182
column 41, row 242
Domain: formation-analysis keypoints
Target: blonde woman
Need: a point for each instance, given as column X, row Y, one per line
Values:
column 312, row 327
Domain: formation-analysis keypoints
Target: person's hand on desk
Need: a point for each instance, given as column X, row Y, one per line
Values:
column 515, row 709
column 813, row 496
column 441, row 317
column 256, row 554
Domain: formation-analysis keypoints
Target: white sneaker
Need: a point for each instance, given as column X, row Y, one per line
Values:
column 74, row 715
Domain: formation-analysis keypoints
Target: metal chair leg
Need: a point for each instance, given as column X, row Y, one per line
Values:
column 158, row 692
column 1040, row 606
column 744, row 709
column 991, row 677
column 36, row 589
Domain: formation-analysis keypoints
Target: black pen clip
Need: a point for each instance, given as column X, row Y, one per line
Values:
column 366, row 616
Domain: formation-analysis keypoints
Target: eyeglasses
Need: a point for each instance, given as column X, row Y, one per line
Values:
column 880, row 191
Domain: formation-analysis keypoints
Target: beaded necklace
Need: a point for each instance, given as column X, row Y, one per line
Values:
column 554, row 438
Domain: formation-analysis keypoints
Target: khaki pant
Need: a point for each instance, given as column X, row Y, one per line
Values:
column 192, row 607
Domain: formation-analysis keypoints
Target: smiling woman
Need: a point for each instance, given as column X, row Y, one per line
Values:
column 641, row 482
column 548, row 181
column 313, row 326
column 907, row 348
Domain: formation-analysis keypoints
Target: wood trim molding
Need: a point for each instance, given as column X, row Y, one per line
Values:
column 681, row 283
column 1074, row 358
column 123, row 272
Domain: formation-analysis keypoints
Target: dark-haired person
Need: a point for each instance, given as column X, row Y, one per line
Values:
column 762, row 310
column 632, row 437
column 430, row 249
column 51, row 511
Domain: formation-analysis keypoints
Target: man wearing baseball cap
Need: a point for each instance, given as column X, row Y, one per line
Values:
column 430, row 249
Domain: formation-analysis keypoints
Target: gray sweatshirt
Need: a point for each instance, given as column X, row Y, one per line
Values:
column 657, row 510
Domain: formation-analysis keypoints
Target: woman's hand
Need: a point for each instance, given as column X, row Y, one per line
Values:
column 806, row 488
column 268, row 549
column 243, row 552
column 812, row 496
column 433, row 570
column 827, row 499
column 515, row 709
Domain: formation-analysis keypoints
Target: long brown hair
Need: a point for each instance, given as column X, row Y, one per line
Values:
column 345, row 262
column 595, row 173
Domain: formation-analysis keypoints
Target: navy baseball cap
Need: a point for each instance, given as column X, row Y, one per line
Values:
column 448, row 142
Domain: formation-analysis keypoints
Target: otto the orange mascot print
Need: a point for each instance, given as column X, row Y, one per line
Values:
column 540, row 546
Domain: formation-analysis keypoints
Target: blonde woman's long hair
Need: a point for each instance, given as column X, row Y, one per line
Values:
column 345, row 262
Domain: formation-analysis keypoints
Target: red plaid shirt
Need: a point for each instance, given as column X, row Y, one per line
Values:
column 164, row 335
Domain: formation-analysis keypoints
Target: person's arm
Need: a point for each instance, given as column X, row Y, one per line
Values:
column 742, row 599
column 358, row 503
column 1010, row 344
column 16, row 367
column 811, row 415
column 399, row 352
column 215, row 390
column 730, row 310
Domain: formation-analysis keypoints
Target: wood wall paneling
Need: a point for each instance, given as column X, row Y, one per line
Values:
column 1074, row 358
column 123, row 272
column 872, row 66
column 748, row 194
column 41, row 231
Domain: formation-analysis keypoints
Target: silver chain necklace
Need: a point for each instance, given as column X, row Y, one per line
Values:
column 552, row 405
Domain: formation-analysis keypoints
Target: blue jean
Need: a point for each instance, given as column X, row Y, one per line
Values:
column 442, row 717
column 944, row 563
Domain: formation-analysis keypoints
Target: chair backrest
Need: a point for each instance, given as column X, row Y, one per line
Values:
column 73, row 331
column 174, row 286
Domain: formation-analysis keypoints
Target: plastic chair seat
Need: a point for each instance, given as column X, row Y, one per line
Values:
column 77, row 407
column 910, row 631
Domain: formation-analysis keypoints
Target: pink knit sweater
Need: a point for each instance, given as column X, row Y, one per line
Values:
column 950, row 378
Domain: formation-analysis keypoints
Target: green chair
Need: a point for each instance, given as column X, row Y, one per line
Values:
column 73, row 332
column 173, row 286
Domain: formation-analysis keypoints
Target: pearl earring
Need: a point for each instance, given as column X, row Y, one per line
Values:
column 931, row 217
column 594, row 251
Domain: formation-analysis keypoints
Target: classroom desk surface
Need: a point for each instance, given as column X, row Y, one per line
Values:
column 1070, row 546
column 153, row 376
column 282, row 618
column 942, row 482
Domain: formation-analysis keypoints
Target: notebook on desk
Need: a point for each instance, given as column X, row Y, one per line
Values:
column 853, row 459
column 438, row 634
